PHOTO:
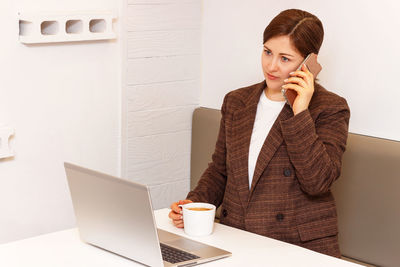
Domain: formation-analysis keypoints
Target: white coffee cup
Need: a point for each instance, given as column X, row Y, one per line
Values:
column 198, row 222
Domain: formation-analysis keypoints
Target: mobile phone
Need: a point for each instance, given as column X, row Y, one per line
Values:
column 313, row 66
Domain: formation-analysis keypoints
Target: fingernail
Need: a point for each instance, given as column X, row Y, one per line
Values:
column 181, row 212
column 291, row 73
column 286, row 80
column 181, row 217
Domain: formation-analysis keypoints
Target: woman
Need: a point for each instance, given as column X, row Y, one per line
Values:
column 273, row 165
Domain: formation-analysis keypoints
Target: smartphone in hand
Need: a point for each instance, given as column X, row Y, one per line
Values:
column 313, row 66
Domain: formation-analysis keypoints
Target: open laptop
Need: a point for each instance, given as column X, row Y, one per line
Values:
column 116, row 215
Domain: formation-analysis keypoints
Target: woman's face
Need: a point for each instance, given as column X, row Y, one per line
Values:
column 278, row 59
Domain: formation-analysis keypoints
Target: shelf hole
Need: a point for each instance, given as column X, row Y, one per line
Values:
column 49, row 27
column 25, row 27
column 74, row 26
column 97, row 25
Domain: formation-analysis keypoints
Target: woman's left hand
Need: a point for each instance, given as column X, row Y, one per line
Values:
column 301, row 81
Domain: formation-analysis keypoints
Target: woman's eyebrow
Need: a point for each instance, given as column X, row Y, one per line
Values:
column 282, row 54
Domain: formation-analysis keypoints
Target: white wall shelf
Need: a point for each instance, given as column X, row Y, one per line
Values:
column 66, row 27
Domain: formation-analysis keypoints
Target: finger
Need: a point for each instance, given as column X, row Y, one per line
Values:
column 175, row 216
column 304, row 68
column 175, row 208
column 181, row 225
column 306, row 75
column 177, row 222
column 296, row 80
column 185, row 201
column 300, row 73
column 294, row 87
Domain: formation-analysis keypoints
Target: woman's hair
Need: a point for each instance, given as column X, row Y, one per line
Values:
column 304, row 30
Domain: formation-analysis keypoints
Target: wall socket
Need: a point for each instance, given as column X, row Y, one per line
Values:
column 5, row 150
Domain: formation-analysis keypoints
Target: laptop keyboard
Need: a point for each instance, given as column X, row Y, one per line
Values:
column 174, row 255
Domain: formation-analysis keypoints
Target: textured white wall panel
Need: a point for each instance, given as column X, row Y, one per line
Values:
column 163, row 69
column 163, row 43
column 169, row 16
column 152, row 122
column 162, row 88
column 160, row 172
column 163, row 95
column 162, row 194
column 158, row 147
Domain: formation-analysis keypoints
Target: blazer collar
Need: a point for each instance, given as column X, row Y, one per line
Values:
column 242, row 125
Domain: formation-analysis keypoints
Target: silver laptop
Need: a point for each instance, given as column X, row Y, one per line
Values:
column 116, row 215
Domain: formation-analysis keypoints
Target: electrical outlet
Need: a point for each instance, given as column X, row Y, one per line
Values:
column 5, row 150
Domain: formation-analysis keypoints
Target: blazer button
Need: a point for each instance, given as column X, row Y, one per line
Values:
column 224, row 212
column 279, row 217
column 287, row 172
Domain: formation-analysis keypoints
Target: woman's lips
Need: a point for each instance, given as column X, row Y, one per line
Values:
column 271, row 77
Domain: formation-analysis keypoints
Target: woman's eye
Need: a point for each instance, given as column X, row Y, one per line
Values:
column 285, row 59
column 267, row 52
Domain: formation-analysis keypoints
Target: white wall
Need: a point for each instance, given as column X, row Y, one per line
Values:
column 64, row 102
column 360, row 54
column 161, row 89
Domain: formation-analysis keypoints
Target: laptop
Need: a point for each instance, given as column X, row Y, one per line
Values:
column 117, row 215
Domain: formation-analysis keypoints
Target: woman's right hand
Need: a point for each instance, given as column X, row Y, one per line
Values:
column 176, row 212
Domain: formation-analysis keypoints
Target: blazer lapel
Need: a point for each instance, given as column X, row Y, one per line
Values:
column 242, row 127
column 271, row 144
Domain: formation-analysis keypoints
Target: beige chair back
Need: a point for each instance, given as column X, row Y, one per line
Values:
column 368, row 200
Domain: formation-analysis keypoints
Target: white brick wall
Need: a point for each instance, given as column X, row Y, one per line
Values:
column 162, row 88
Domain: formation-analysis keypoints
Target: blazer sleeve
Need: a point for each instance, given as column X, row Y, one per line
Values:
column 211, row 186
column 316, row 148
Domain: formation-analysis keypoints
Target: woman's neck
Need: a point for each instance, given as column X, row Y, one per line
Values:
column 274, row 95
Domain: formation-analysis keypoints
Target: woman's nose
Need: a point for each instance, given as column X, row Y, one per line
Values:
column 273, row 65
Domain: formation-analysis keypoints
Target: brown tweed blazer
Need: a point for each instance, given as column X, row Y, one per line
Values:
column 290, row 197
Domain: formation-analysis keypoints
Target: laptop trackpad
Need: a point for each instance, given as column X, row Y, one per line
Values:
column 187, row 244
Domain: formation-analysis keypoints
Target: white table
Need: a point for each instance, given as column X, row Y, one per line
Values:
column 65, row 248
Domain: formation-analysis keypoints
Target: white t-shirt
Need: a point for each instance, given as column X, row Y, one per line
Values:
column 267, row 112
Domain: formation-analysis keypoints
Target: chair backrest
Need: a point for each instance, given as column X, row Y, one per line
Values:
column 205, row 127
column 368, row 200
column 367, row 193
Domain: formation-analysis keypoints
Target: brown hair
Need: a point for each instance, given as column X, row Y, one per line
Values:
column 304, row 30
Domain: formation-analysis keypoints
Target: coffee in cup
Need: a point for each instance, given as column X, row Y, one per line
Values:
column 198, row 218
column 199, row 209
